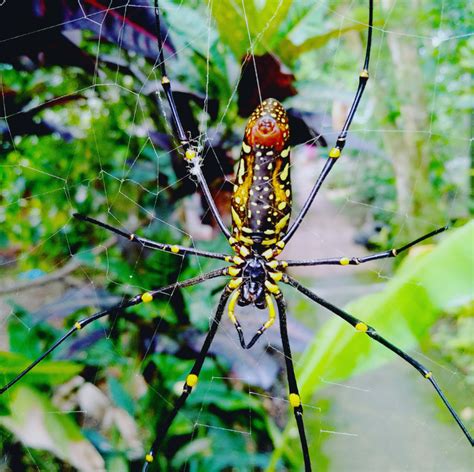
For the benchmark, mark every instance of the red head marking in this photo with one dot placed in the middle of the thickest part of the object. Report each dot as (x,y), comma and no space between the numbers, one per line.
(268,126)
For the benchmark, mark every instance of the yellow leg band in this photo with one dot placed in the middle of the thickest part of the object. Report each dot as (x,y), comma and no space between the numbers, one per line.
(191,380)
(428,375)
(232,303)
(174,249)
(362,327)
(149,458)
(344,261)
(77,325)
(272,288)
(147,297)
(276,276)
(244,251)
(233,271)
(271,311)
(235,283)
(334,153)
(295,400)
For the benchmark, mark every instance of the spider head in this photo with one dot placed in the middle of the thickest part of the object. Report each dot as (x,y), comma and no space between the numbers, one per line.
(253,286)
(268,126)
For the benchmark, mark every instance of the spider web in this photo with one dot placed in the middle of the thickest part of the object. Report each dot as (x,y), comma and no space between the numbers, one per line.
(384,417)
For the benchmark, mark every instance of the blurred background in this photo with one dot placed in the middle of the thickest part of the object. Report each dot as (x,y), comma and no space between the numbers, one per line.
(85,128)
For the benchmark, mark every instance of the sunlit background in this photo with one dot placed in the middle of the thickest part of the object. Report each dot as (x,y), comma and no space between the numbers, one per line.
(86,129)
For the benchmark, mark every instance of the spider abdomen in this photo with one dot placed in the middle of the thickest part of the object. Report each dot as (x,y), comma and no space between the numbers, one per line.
(261,202)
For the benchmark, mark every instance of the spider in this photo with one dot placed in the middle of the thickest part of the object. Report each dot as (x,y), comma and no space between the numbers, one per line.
(260,208)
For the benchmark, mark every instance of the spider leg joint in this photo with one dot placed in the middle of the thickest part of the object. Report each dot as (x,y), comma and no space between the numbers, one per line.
(147,297)
(244,251)
(238,260)
(233,271)
(295,400)
(362,327)
(276,276)
(191,380)
(272,288)
(234,283)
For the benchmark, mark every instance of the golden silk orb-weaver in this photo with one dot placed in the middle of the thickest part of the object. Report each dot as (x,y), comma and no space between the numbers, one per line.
(260,209)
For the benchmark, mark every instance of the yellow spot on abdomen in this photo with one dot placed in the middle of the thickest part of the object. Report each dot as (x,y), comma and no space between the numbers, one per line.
(284,172)
(246,148)
(236,218)
(240,175)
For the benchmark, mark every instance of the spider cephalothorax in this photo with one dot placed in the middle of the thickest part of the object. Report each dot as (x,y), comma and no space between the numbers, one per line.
(254,275)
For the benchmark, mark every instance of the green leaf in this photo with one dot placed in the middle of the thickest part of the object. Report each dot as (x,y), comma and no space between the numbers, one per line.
(227,12)
(47,372)
(120,397)
(289,52)
(39,424)
(425,285)
(260,25)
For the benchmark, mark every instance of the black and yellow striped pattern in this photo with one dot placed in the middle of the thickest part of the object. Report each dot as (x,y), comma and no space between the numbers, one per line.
(261,202)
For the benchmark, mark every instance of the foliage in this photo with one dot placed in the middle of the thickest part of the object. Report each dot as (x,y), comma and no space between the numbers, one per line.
(424,287)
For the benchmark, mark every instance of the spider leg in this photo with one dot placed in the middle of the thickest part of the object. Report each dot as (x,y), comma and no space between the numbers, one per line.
(136,300)
(360,260)
(238,327)
(190,154)
(364,328)
(336,151)
(173,248)
(191,380)
(294,397)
